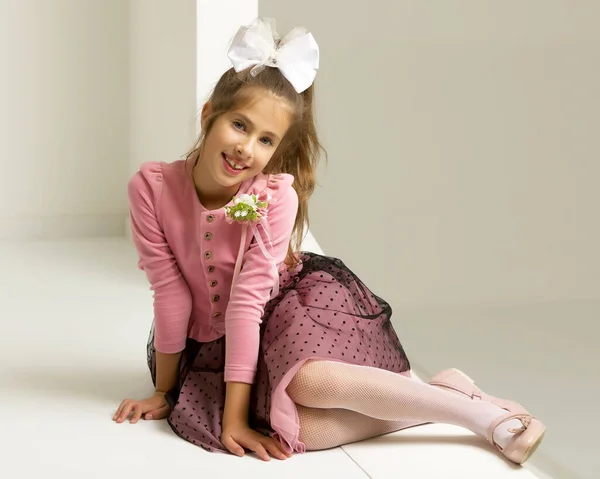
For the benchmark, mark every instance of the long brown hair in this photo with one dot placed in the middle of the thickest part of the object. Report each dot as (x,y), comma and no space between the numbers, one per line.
(298,152)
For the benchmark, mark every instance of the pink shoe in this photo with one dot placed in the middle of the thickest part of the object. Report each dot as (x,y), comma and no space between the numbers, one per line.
(525,440)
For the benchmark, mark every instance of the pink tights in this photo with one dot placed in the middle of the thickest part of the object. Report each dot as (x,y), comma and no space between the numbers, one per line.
(352,403)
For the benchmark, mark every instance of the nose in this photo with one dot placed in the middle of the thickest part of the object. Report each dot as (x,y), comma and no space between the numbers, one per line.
(244,149)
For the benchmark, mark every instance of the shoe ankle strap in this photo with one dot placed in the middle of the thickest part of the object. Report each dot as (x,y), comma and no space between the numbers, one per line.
(525,421)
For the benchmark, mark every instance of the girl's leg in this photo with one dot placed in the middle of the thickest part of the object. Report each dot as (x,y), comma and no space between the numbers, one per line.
(388,396)
(327,428)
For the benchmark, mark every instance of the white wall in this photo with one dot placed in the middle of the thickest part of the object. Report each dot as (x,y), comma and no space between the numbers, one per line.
(480,118)
(89,91)
(466,134)
(217,23)
(63,117)
(162,86)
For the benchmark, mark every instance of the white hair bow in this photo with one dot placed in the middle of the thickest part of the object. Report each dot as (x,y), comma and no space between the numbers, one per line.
(296,55)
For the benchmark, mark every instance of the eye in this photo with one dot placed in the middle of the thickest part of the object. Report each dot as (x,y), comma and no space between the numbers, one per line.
(267,141)
(238,125)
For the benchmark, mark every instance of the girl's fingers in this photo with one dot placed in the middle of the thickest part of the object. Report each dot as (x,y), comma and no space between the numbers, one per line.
(233,447)
(258,448)
(274,450)
(281,448)
(119,409)
(124,413)
(137,414)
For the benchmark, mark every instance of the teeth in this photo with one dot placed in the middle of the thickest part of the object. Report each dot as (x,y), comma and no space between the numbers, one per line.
(234,165)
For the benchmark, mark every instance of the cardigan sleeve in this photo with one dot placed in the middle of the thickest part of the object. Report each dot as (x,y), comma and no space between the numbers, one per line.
(172,297)
(254,284)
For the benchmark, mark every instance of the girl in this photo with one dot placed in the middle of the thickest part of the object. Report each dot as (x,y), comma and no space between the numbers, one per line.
(256,346)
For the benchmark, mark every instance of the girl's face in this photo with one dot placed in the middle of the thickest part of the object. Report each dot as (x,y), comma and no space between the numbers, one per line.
(241,142)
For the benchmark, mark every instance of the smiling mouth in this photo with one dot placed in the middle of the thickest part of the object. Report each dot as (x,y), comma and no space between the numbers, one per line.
(235,165)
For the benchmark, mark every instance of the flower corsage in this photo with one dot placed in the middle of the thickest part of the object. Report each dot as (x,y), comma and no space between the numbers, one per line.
(246,209)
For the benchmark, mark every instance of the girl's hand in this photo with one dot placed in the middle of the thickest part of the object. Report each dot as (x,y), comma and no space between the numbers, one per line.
(239,437)
(154,407)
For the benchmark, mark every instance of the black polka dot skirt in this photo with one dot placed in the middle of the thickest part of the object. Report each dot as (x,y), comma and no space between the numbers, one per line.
(323,311)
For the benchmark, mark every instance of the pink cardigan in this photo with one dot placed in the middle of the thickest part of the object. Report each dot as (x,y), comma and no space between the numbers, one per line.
(188,254)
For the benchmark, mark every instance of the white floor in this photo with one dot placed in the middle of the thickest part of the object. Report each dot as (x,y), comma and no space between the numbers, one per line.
(75,318)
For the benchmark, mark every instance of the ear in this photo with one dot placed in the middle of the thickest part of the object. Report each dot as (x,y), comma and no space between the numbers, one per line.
(206,112)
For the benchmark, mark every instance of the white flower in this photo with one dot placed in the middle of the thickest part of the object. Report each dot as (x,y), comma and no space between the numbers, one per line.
(247,208)
(245,199)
